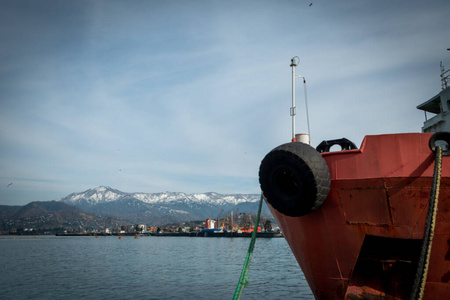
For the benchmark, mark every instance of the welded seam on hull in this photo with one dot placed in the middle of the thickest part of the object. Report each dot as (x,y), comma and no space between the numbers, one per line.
(391,218)
(334,248)
(418,220)
(369,224)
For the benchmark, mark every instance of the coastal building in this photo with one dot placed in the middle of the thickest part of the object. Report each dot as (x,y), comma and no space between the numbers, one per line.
(210,223)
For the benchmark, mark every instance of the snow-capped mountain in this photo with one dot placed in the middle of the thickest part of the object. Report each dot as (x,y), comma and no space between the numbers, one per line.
(105,194)
(158,208)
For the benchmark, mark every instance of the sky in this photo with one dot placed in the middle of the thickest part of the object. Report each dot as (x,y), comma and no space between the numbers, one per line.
(189,96)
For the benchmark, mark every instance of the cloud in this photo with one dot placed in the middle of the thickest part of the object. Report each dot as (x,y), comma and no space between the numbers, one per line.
(191,96)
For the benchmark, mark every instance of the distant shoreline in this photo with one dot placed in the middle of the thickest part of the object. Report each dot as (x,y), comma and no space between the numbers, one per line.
(188,234)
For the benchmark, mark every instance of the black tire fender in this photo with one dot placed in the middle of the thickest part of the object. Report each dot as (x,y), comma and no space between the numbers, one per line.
(295,179)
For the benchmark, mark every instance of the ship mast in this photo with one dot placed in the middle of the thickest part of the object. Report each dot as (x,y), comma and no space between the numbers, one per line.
(444,77)
(293,108)
(302,137)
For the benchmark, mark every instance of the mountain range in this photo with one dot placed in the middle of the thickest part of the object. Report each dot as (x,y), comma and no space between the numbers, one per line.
(55,216)
(97,206)
(160,208)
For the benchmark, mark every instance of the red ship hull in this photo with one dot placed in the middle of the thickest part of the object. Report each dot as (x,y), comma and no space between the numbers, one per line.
(364,240)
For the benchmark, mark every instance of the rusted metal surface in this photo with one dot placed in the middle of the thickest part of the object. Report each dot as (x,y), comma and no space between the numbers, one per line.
(381,190)
(365,292)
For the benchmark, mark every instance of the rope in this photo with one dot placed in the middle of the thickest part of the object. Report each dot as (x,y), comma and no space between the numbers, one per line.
(424,259)
(307,114)
(243,280)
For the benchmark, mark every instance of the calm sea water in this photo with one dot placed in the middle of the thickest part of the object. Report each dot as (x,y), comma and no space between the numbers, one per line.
(49,267)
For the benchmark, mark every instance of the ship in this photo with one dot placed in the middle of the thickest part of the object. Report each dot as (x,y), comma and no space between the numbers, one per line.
(371,222)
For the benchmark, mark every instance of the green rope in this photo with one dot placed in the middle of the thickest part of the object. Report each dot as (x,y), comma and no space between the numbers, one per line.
(243,281)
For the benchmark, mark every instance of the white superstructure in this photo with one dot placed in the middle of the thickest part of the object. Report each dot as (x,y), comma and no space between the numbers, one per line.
(439,105)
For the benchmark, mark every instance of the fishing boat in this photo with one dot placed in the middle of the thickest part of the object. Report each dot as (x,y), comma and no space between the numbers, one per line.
(371,222)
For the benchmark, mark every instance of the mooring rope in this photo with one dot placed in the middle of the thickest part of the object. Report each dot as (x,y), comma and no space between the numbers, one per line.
(424,260)
(243,280)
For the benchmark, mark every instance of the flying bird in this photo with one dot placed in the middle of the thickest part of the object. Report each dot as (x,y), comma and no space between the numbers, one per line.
(9,184)
(310,4)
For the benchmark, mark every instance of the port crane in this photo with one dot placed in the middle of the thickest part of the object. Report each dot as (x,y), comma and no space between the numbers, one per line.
(218,218)
(246,227)
(224,220)
(232,227)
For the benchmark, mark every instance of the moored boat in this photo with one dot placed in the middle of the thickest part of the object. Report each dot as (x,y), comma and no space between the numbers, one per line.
(368,223)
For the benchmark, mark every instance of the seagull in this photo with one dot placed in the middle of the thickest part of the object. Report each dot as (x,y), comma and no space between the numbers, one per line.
(9,184)
(310,4)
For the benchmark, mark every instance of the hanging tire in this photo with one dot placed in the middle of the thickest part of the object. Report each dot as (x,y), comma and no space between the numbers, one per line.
(295,179)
